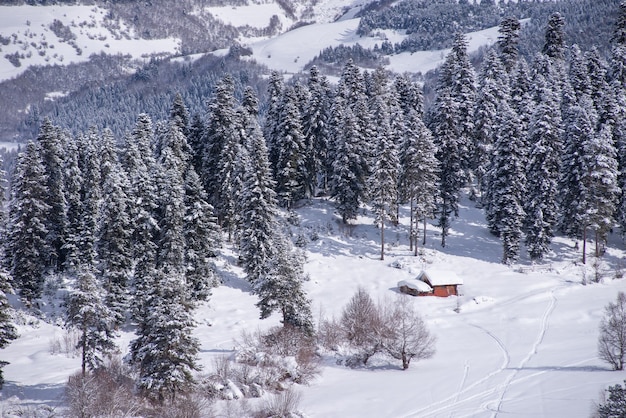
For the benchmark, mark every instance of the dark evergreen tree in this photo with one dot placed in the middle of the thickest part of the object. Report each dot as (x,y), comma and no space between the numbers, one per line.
(50,141)
(114,234)
(95,322)
(28,245)
(218,156)
(164,354)
(272,115)
(383,181)
(554,44)
(8,332)
(316,130)
(180,115)
(507,183)
(290,168)
(257,205)
(493,94)
(280,287)
(450,153)
(508,41)
(194,139)
(521,93)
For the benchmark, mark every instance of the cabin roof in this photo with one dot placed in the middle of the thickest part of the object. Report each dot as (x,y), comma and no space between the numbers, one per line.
(440,277)
(418,285)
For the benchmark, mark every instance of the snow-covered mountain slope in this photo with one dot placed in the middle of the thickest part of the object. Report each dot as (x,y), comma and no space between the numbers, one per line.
(520,342)
(60,35)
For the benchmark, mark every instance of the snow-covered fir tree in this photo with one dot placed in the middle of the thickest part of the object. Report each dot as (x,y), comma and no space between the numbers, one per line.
(51,144)
(383,181)
(219,142)
(94,321)
(114,233)
(507,185)
(272,115)
(164,354)
(28,245)
(540,205)
(450,153)
(280,286)
(258,206)
(290,166)
(554,42)
(493,93)
(508,41)
(316,130)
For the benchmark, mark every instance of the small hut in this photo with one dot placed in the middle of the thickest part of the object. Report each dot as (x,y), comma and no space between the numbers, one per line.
(415,288)
(443,282)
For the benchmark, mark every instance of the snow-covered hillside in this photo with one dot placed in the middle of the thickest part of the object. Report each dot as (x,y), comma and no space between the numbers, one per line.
(518,341)
(59,35)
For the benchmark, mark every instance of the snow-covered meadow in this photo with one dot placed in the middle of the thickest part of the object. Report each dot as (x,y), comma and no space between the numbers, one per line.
(519,341)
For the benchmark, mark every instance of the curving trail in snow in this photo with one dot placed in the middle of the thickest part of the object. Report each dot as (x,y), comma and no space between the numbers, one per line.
(542,332)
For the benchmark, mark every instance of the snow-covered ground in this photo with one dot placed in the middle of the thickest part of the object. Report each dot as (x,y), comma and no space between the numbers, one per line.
(27,36)
(523,342)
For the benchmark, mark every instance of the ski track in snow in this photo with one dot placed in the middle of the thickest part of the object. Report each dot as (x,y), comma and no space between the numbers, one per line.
(542,333)
(428,411)
(494,405)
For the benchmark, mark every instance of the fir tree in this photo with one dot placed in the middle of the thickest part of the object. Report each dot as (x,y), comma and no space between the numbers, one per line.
(257,205)
(316,130)
(493,93)
(164,354)
(272,116)
(180,115)
(28,246)
(95,322)
(290,166)
(554,44)
(50,141)
(507,182)
(450,155)
(542,180)
(280,287)
(508,42)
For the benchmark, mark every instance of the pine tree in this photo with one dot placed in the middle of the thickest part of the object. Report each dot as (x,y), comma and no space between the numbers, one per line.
(180,115)
(140,166)
(219,141)
(50,140)
(419,172)
(493,93)
(272,116)
(280,287)
(257,205)
(290,166)
(554,43)
(316,130)
(73,185)
(95,322)
(202,239)
(114,238)
(8,332)
(28,246)
(521,93)
(450,151)
(508,42)
(164,354)
(574,190)
(507,182)
(383,181)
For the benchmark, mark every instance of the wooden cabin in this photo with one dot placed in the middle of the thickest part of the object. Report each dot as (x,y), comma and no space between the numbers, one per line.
(432,283)
(444,282)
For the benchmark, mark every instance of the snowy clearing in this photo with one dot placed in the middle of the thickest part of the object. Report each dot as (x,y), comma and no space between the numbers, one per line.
(522,343)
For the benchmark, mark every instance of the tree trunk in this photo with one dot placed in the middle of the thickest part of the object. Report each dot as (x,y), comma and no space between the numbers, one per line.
(412,232)
(584,245)
(424,241)
(382,235)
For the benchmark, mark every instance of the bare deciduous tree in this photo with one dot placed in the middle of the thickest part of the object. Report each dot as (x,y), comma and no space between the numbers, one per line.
(406,336)
(612,339)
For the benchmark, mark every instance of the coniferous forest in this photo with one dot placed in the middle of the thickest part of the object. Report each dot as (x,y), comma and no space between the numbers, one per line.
(137,217)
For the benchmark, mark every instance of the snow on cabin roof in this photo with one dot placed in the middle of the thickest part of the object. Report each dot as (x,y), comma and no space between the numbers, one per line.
(418,285)
(440,277)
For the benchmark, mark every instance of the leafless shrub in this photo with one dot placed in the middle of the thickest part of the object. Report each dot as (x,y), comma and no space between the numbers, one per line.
(392,327)
(107,392)
(329,334)
(284,405)
(612,339)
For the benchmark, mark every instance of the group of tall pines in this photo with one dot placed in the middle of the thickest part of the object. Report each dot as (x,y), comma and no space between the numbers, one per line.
(135,223)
